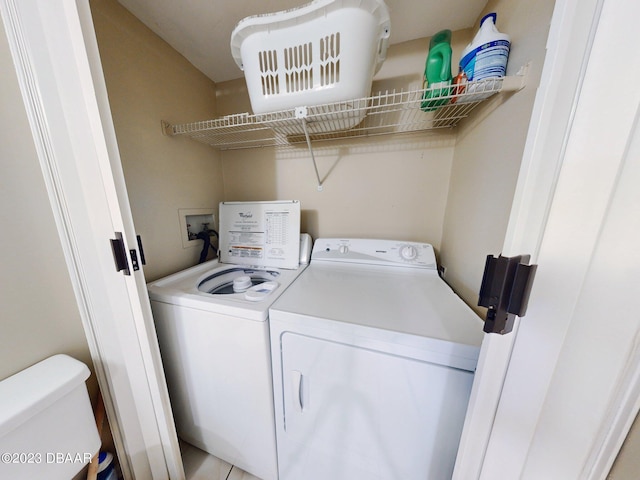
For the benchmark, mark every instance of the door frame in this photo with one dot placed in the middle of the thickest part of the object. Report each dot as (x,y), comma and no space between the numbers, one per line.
(582,379)
(76,145)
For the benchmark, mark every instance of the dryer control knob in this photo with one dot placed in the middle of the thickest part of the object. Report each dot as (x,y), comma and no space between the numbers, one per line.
(408,252)
(343,249)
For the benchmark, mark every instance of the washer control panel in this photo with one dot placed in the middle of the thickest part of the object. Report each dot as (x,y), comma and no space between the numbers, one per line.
(374,252)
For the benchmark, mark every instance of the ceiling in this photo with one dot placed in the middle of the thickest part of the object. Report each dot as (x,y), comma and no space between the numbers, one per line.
(201,29)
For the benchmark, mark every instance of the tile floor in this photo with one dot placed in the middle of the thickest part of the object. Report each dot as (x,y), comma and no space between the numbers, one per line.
(199,465)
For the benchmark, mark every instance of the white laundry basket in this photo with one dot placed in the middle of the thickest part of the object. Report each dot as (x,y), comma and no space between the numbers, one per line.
(323,52)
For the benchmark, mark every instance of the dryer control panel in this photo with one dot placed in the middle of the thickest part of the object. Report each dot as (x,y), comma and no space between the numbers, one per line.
(374,252)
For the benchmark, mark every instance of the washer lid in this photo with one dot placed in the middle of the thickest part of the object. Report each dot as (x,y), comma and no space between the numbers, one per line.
(265,234)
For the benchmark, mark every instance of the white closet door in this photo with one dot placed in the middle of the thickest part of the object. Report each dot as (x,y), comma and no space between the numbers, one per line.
(572,384)
(56,58)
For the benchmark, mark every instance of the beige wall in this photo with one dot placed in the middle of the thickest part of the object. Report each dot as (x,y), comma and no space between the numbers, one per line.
(389,191)
(390,187)
(148,81)
(488,154)
(432,188)
(39,315)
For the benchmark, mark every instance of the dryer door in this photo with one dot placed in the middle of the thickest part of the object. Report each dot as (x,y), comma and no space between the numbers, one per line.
(352,412)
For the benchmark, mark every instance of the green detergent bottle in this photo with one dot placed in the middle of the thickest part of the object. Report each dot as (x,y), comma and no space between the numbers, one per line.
(437,72)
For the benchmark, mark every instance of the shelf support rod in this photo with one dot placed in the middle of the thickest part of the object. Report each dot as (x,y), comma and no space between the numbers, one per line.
(301,113)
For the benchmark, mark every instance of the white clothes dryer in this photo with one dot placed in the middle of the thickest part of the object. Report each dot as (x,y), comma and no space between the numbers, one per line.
(213,330)
(373,360)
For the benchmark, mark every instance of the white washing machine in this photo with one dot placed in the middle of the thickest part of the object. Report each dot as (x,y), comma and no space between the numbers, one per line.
(212,326)
(373,360)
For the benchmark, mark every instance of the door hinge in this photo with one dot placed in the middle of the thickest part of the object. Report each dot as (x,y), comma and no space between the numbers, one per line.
(120,254)
(506,286)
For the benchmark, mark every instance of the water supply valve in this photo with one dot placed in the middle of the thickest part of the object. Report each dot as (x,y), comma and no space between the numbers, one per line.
(506,286)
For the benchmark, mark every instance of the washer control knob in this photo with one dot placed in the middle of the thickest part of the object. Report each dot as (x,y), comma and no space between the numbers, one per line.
(343,249)
(408,252)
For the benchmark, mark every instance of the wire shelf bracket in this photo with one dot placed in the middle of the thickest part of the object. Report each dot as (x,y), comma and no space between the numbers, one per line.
(301,113)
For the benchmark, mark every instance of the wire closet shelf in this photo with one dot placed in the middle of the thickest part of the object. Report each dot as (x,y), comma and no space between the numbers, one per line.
(381,114)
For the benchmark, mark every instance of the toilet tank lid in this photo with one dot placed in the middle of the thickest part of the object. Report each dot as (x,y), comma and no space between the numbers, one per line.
(32,390)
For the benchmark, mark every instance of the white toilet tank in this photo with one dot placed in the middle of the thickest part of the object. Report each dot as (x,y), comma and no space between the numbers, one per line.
(47,427)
